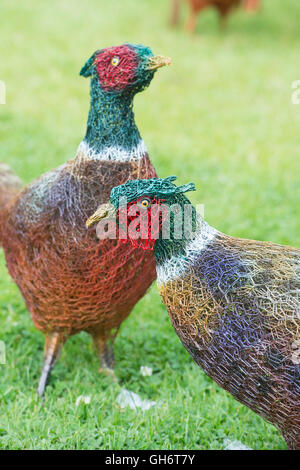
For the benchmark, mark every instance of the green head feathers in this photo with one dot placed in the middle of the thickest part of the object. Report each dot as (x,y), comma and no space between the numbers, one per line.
(155,187)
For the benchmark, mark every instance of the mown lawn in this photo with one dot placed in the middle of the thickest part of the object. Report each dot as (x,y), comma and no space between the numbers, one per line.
(222,117)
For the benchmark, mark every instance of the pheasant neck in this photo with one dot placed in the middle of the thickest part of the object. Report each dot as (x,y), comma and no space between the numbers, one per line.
(183,222)
(111,130)
(174,257)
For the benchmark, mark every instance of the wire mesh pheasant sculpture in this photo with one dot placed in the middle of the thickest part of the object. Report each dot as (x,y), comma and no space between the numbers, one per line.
(224,8)
(234,303)
(70,280)
(252,5)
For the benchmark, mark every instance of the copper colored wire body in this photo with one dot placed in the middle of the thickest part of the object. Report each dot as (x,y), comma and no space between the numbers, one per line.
(70,280)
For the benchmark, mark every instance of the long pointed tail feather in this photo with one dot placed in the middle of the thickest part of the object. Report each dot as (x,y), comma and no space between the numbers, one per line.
(10,185)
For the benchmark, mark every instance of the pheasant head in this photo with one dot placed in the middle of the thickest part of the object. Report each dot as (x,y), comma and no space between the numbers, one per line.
(151,213)
(117,74)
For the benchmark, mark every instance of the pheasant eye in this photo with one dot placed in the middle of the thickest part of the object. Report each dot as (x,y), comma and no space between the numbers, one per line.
(115,61)
(145,203)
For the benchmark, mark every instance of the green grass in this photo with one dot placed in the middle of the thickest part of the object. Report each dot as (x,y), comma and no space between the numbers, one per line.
(222,117)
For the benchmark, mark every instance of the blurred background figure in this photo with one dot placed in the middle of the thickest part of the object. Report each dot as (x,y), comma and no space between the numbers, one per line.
(252,5)
(175,12)
(224,7)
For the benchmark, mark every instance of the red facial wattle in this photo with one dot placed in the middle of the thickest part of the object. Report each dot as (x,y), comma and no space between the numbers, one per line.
(115,75)
(143,227)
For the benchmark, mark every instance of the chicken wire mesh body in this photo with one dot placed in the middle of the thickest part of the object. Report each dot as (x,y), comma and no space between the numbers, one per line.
(234,303)
(223,6)
(70,280)
(236,308)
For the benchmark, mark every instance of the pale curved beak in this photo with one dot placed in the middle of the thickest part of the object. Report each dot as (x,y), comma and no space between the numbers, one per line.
(105,211)
(158,61)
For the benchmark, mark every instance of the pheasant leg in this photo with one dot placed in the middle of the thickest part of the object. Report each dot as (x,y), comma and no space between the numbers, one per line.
(104,348)
(53,346)
(191,22)
(223,21)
